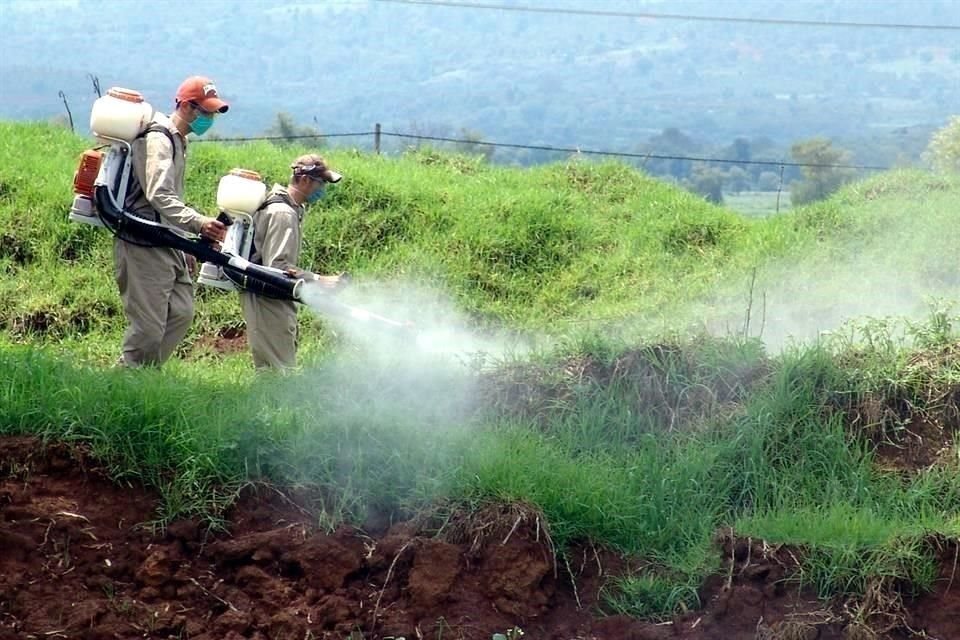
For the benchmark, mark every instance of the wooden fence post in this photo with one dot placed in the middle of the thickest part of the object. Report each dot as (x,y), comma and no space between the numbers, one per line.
(67,105)
(779,188)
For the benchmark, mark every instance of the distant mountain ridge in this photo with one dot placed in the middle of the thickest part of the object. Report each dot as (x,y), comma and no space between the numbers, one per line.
(542,78)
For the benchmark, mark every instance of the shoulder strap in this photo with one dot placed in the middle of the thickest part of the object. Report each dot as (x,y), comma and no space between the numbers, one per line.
(155,127)
(274,198)
(134,189)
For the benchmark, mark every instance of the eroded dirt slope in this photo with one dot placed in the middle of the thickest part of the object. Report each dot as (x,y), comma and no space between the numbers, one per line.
(78,561)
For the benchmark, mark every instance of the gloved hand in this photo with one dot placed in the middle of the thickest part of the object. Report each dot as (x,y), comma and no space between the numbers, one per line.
(333,283)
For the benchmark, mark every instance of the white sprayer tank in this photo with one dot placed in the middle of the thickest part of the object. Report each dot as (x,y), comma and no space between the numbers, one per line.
(241,191)
(239,194)
(121,113)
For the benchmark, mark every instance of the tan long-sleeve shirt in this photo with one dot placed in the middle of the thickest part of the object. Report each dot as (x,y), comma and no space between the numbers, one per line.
(272,324)
(159,169)
(277,235)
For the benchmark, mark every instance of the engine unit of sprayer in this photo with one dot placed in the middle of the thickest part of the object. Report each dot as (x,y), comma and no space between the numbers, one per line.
(116,119)
(102,183)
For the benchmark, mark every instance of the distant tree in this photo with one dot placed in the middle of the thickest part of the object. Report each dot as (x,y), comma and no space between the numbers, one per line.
(289,132)
(768,181)
(470,146)
(708,182)
(943,151)
(671,142)
(821,179)
(738,150)
(737,180)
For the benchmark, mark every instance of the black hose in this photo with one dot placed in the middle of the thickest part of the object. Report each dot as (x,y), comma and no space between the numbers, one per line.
(248,276)
(263,282)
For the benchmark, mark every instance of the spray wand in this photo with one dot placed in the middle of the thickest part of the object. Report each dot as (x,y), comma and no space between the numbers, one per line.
(306,288)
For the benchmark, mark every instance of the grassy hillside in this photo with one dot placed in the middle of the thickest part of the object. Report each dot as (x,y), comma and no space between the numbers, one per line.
(553,249)
(570,241)
(647,448)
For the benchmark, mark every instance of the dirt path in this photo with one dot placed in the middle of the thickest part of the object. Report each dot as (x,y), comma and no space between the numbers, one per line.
(76,561)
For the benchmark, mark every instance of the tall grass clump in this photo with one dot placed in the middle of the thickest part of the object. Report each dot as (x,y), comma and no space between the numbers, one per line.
(787,464)
(821,490)
(367,441)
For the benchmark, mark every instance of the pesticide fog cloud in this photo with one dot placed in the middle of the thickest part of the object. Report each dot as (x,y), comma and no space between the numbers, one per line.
(388,416)
(902,264)
(398,401)
(408,322)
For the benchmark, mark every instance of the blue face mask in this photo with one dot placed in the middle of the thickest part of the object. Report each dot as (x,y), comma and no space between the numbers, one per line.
(201,123)
(316,195)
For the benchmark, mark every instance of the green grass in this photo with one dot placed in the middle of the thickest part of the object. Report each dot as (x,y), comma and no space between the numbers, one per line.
(536,248)
(757,204)
(637,435)
(782,467)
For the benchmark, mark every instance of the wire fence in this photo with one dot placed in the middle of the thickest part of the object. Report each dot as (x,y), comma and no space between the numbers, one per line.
(378,134)
(898,26)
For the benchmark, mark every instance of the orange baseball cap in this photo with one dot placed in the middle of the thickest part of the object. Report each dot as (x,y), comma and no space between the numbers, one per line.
(203,91)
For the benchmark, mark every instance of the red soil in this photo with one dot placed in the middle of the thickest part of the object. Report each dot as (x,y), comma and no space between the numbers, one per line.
(78,561)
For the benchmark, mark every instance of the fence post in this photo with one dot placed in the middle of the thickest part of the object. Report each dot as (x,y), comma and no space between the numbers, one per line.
(67,105)
(96,84)
(376,138)
(779,188)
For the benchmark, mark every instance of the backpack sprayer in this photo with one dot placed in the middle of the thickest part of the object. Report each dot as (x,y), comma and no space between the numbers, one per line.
(102,183)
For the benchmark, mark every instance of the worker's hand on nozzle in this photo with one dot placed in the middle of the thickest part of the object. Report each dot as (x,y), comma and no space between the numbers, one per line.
(333,283)
(213,230)
(294,272)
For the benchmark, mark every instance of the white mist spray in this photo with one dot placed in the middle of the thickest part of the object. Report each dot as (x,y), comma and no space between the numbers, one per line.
(901,261)
(385,420)
(407,320)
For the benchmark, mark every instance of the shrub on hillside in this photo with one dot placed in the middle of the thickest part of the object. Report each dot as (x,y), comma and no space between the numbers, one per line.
(943,152)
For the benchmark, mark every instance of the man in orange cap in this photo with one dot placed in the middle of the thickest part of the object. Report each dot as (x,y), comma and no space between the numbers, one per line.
(155,284)
(277,240)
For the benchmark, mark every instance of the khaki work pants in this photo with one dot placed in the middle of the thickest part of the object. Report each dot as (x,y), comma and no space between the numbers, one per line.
(157,296)
(271,331)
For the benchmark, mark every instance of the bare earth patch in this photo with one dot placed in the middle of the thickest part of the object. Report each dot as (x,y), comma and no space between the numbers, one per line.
(77,561)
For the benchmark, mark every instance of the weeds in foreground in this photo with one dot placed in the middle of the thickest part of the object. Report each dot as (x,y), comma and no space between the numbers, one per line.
(784,466)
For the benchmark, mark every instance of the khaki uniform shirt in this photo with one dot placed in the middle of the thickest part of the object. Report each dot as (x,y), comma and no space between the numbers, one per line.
(160,186)
(277,238)
(272,324)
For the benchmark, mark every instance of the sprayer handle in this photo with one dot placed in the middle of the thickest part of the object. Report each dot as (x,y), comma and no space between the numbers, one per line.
(224,219)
